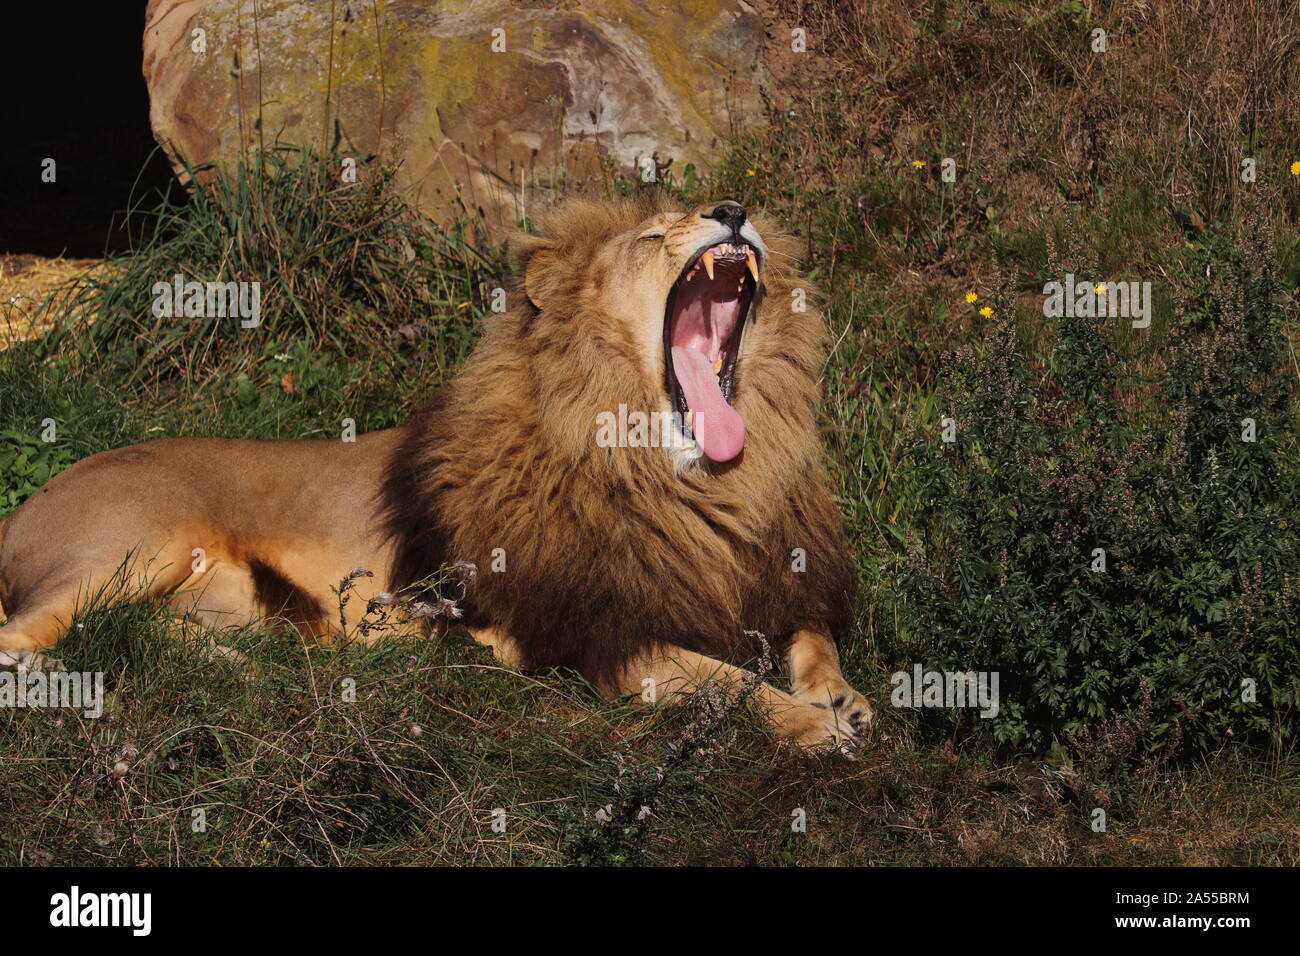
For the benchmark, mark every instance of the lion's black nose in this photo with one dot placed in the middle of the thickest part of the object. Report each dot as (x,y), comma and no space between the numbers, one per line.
(730,214)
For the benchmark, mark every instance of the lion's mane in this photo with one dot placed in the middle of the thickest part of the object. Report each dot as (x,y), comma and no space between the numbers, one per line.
(610,551)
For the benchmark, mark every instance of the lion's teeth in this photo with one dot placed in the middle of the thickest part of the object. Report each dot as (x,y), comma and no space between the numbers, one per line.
(717,367)
(752,262)
(708,263)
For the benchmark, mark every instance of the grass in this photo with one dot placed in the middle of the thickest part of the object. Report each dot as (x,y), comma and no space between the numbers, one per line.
(285,770)
(375,309)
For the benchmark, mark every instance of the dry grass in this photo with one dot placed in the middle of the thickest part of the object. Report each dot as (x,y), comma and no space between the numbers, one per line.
(26,284)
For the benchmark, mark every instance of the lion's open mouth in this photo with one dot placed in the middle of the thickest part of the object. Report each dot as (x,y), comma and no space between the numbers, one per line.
(703,322)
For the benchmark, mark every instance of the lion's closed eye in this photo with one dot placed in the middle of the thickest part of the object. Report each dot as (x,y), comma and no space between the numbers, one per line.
(658,227)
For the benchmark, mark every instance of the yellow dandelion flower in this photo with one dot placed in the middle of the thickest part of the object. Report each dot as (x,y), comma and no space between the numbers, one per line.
(971,297)
(751,172)
(1099,288)
(918,163)
(986,312)
(1295,169)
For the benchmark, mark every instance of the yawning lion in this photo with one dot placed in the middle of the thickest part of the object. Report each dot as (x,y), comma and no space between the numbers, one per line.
(629,458)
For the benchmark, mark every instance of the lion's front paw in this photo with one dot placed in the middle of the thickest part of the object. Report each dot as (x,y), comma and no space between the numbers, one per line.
(820,727)
(847,707)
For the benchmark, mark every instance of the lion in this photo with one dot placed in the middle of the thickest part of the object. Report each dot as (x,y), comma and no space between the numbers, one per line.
(651,560)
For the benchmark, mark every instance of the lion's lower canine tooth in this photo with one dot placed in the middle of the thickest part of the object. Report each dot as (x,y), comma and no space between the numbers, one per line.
(708,263)
(717,367)
(752,262)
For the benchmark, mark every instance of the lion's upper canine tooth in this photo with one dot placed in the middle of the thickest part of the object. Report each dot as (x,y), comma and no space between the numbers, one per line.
(708,263)
(752,262)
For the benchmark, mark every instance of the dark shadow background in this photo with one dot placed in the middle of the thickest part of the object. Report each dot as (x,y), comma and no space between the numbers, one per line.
(71,89)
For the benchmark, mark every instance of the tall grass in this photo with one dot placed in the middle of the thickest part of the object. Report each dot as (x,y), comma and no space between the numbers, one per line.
(343,266)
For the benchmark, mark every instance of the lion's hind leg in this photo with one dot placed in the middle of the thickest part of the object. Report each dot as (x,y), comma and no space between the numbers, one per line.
(45,602)
(33,630)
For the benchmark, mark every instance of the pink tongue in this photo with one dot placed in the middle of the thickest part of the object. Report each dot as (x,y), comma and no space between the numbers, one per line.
(717,426)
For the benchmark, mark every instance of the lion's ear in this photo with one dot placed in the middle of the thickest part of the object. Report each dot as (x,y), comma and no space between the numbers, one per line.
(538,259)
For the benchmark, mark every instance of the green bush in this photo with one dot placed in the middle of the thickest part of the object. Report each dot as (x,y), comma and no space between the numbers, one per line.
(26,463)
(1140,452)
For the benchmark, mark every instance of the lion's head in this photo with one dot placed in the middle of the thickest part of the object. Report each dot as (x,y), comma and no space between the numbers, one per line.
(677,313)
(609,550)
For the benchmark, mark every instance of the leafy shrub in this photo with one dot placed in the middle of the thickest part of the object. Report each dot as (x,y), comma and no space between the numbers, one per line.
(1144,455)
(26,463)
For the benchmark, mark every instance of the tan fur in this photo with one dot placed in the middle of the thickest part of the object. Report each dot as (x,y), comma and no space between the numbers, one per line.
(303,508)
(624,563)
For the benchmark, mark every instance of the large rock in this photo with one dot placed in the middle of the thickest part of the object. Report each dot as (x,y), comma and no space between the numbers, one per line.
(579,84)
